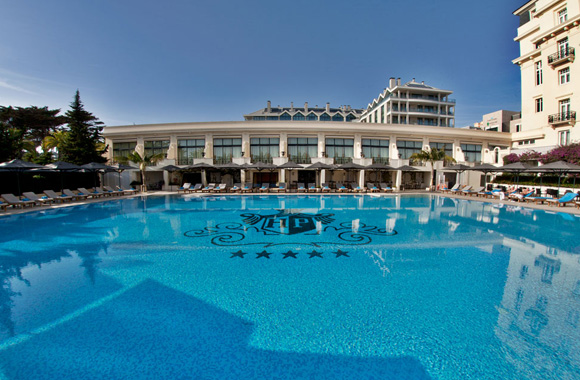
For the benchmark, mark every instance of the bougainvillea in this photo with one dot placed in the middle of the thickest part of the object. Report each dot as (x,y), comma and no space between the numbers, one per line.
(569,153)
(511,158)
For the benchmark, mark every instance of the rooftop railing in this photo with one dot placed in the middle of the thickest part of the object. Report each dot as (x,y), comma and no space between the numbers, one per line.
(562,55)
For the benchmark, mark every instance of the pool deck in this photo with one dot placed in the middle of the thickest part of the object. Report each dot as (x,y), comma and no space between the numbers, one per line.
(569,208)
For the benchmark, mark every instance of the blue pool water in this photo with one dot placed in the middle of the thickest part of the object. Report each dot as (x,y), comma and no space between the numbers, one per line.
(342,287)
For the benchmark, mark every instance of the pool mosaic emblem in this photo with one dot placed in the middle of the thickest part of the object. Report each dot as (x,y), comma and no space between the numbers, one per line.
(290,228)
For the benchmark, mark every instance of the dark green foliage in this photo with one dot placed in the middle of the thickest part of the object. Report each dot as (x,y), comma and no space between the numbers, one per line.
(11,142)
(83,141)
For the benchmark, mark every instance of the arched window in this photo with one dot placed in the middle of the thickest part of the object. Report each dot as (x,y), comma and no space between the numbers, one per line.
(325,117)
(298,116)
(285,116)
(337,117)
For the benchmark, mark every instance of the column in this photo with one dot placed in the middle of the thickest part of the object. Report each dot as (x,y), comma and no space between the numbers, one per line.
(172,150)
(208,146)
(321,144)
(357,146)
(246,145)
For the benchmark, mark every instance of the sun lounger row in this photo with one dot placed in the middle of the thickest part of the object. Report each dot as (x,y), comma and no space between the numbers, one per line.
(283,188)
(50,197)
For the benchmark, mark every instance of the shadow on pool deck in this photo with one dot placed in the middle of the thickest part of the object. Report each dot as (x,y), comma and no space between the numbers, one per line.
(155,332)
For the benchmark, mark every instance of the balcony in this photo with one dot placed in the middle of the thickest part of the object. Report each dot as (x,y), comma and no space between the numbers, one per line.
(561,57)
(562,119)
(342,160)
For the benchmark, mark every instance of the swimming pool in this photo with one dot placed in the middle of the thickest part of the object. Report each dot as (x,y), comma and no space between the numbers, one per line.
(353,287)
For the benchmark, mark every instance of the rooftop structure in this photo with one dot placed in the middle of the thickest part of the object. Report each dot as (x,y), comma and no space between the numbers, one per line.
(306,113)
(412,103)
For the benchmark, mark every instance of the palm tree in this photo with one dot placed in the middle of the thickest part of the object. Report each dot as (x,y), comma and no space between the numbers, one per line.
(55,140)
(143,161)
(431,156)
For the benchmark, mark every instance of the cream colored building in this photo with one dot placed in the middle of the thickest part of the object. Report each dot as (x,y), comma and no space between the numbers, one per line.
(306,142)
(549,36)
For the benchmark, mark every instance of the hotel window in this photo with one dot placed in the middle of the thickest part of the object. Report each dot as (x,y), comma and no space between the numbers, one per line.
(564,75)
(563,16)
(565,107)
(342,150)
(298,116)
(407,148)
(563,47)
(259,118)
(539,105)
(226,149)
(156,147)
(311,117)
(263,149)
(539,76)
(188,150)
(564,137)
(285,116)
(337,117)
(123,149)
(272,118)
(325,117)
(350,117)
(446,147)
(518,127)
(300,150)
(376,149)
(472,152)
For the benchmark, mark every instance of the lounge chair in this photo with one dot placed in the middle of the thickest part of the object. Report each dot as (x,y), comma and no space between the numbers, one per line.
(247,188)
(222,188)
(519,197)
(126,190)
(78,197)
(301,188)
(386,188)
(356,188)
(185,188)
(92,194)
(3,206)
(312,188)
(198,188)
(57,198)
(113,191)
(489,194)
(30,196)
(265,188)
(454,188)
(236,188)
(470,190)
(208,188)
(105,192)
(281,187)
(460,189)
(341,188)
(325,188)
(563,200)
(372,188)
(13,201)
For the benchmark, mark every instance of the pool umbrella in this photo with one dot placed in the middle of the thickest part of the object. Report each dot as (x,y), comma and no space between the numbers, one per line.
(96,167)
(350,166)
(290,165)
(319,166)
(378,167)
(170,169)
(200,165)
(19,166)
(559,167)
(62,166)
(120,168)
(459,168)
(486,169)
(228,166)
(517,168)
(405,168)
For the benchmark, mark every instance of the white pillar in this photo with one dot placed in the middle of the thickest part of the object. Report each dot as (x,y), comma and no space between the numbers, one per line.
(399,179)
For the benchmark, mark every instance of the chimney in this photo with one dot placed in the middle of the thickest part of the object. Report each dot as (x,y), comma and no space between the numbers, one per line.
(292,106)
(392,82)
(327,107)
(306,107)
(398,81)
(422,82)
(269,108)
(413,80)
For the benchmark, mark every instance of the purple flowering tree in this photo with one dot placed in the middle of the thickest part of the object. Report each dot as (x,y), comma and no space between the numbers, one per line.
(569,153)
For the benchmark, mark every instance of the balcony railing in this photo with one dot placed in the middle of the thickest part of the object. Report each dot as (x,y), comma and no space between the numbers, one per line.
(381,160)
(562,118)
(300,159)
(342,160)
(267,159)
(562,56)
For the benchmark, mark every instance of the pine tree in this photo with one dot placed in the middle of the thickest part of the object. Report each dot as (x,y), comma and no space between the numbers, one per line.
(84,135)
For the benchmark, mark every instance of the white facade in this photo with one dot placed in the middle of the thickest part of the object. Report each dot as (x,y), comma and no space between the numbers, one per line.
(411,104)
(549,36)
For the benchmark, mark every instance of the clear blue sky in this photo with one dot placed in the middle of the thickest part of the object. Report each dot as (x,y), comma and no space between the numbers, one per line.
(191,60)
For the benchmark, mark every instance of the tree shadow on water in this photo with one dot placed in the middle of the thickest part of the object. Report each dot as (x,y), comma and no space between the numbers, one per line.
(155,332)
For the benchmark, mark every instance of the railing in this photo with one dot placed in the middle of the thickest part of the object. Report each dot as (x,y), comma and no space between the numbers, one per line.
(267,159)
(562,117)
(567,53)
(300,159)
(342,160)
(432,98)
(381,160)
(222,160)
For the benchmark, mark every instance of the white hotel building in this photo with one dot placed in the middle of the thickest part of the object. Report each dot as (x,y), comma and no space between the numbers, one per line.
(403,120)
(549,36)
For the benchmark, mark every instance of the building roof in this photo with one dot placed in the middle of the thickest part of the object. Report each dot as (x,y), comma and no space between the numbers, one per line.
(277,111)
